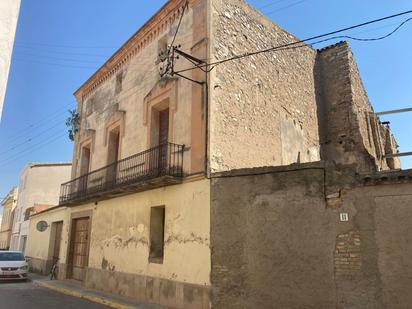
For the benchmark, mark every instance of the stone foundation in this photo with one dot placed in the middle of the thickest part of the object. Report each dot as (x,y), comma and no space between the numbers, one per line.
(43,267)
(148,289)
(40,266)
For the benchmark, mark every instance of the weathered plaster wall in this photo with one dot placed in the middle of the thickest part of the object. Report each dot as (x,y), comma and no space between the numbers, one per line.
(269,242)
(279,242)
(120,230)
(40,245)
(9,13)
(350,132)
(263,108)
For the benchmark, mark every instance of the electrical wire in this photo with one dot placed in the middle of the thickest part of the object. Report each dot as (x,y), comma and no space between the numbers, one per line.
(31,129)
(44,120)
(57,58)
(69,66)
(35,137)
(20,43)
(30,150)
(53,64)
(286,7)
(31,139)
(180,22)
(373,39)
(271,4)
(310,39)
(49,51)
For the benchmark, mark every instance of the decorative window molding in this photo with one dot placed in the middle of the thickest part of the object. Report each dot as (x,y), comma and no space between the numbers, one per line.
(163,95)
(166,88)
(117,120)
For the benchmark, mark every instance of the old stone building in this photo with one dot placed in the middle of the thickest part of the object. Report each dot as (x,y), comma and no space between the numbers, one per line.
(143,204)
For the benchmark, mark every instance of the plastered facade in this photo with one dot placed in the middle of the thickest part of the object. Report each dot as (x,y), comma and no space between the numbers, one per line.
(131,108)
(120,230)
(39,184)
(40,244)
(8,206)
(9,13)
(123,95)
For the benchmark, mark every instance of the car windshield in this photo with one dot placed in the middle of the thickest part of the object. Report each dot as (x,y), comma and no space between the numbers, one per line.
(11,256)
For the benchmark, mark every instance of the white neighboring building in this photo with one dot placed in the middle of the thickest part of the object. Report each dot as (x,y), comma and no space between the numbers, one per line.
(39,187)
(9,13)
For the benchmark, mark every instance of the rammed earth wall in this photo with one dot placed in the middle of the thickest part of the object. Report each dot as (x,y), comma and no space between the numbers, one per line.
(278,240)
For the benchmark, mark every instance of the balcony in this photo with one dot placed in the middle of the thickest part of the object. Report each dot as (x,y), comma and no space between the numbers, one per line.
(153,168)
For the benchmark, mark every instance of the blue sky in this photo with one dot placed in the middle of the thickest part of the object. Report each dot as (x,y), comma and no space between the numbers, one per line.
(59,44)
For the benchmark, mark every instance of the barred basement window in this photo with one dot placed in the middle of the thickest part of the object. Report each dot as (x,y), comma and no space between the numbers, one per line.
(157,232)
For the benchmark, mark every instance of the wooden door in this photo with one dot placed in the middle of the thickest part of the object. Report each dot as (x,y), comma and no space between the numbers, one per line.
(163,139)
(57,241)
(84,170)
(79,245)
(113,157)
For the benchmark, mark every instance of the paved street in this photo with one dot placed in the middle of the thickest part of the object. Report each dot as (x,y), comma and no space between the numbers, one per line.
(27,295)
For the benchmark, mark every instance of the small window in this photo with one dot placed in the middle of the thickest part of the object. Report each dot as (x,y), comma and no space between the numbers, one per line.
(119,82)
(89,107)
(157,232)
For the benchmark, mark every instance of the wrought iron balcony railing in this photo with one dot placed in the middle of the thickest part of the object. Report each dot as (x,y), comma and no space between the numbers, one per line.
(157,162)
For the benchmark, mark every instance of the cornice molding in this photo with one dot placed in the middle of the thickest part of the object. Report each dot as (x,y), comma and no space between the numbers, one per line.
(152,29)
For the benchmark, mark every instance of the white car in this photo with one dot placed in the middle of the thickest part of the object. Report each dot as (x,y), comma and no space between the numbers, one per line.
(13,266)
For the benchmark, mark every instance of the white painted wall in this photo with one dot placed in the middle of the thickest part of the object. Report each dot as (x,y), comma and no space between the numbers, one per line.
(9,12)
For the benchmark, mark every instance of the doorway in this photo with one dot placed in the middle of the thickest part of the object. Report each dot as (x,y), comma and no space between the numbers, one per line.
(113,156)
(57,228)
(84,168)
(79,249)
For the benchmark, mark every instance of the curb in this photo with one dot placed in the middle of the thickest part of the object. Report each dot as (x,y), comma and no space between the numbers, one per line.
(95,299)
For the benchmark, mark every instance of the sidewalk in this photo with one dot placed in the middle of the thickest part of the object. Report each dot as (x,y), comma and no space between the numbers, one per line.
(75,289)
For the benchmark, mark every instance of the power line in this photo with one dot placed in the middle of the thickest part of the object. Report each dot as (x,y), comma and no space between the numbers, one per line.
(57,58)
(306,40)
(49,51)
(39,123)
(286,7)
(29,140)
(53,64)
(271,4)
(373,39)
(19,43)
(30,150)
(28,131)
(180,22)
